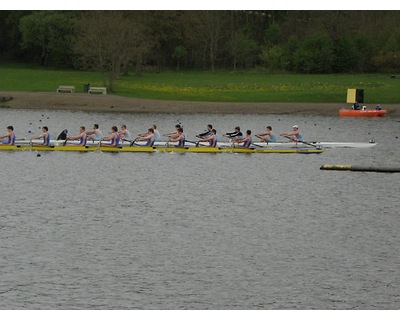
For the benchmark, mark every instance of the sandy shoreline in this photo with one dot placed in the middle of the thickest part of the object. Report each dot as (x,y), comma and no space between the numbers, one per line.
(111,103)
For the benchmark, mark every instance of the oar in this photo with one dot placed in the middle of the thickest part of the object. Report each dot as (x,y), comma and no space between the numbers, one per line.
(196,143)
(132,142)
(257,145)
(309,144)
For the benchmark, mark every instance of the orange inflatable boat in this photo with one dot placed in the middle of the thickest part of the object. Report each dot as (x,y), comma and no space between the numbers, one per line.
(361,113)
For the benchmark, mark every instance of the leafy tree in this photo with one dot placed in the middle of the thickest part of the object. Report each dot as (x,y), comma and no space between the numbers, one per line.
(291,48)
(166,29)
(243,50)
(51,32)
(365,53)
(388,58)
(346,55)
(180,53)
(275,58)
(349,41)
(273,35)
(315,55)
(10,36)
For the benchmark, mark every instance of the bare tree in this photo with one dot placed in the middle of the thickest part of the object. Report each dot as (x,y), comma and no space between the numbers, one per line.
(206,30)
(109,41)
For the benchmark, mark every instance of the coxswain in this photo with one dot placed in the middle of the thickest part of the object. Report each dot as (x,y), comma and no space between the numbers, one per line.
(81,137)
(63,135)
(9,137)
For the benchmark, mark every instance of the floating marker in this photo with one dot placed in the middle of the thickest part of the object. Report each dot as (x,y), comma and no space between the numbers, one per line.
(345,167)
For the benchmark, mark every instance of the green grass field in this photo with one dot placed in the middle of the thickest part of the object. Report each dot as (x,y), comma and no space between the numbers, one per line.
(206,86)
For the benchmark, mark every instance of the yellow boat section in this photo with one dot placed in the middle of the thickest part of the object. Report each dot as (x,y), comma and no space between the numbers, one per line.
(158,149)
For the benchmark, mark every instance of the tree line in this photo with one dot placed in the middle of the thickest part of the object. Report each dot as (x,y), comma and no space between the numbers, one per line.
(119,42)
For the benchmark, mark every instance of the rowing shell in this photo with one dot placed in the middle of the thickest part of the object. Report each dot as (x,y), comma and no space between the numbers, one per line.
(271,145)
(160,149)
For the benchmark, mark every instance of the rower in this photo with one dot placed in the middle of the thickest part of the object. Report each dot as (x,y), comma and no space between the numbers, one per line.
(95,134)
(246,140)
(293,135)
(211,138)
(235,135)
(9,137)
(157,135)
(180,138)
(81,137)
(124,133)
(174,134)
(267,136)
(113,137)
(45,135)
(205,133)
(149,137)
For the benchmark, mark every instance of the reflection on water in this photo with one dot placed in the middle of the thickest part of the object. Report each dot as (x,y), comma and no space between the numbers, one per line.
(199,231)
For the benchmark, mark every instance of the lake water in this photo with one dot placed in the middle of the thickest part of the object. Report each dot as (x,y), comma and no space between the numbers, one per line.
(199,231)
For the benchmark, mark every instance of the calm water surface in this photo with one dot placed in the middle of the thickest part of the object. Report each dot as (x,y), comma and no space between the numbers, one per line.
(199,231)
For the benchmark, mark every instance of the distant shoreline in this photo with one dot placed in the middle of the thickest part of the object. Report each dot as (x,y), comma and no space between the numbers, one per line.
(111,103)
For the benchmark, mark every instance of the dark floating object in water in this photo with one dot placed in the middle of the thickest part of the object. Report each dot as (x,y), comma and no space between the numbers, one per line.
(345,167)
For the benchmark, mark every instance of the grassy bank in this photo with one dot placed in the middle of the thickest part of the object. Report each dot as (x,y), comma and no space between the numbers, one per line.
(206,86)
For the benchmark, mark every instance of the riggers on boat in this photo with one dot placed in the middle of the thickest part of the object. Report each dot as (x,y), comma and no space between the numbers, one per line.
(362,113)
(159,149)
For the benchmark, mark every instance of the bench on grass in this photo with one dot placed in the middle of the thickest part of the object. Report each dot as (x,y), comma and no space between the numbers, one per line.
(102,90)
(69,89)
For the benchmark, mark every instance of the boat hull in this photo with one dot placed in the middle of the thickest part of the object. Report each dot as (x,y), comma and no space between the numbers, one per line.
(362,113)
(272,145)
(159,149)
